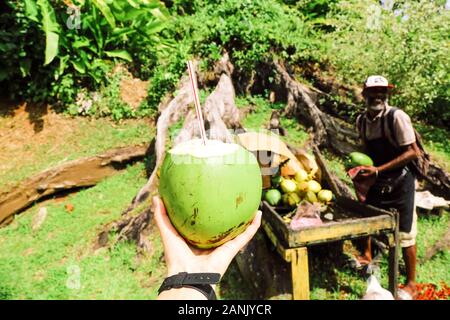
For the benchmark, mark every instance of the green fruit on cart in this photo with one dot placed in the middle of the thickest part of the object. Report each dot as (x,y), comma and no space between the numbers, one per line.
(273,197)
(275,181)
(325,195)
(288,185)
(311,197)
(314,186)
(301,175)
(293,199)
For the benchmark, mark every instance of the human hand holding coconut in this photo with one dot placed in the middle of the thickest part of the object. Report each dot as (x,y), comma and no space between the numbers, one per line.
(211,191)
(182,257)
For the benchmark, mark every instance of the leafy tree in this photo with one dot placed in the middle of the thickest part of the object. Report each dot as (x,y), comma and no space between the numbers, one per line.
(408,44)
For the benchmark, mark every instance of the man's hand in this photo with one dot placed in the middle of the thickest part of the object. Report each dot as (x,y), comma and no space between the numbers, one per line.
(368,171)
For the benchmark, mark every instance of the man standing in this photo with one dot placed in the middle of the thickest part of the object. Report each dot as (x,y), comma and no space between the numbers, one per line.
(390,140)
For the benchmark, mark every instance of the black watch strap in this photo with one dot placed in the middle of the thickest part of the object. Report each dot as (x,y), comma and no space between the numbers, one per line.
(199,281)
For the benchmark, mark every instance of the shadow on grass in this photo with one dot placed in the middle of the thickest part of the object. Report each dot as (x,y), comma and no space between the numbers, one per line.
(233,286)
(327,264)
(6,293)
(35,111)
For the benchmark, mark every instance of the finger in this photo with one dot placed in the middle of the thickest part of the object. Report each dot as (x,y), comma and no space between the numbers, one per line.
(232,247)
(168,232)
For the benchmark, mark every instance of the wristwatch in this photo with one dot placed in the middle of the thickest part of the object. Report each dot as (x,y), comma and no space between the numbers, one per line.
(200,281)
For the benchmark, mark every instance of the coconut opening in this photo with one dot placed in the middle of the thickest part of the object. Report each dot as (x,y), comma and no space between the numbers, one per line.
(196,148)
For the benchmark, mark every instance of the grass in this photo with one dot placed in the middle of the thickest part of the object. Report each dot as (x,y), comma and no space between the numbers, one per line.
(233,287)
(341,282)
(88,138)
(351,285)
(260,117)
(58,261)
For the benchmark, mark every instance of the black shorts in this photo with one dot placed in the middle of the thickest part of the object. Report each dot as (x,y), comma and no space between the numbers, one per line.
(400,198)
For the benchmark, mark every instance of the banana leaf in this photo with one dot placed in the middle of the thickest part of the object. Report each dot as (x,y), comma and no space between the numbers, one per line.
(51,29)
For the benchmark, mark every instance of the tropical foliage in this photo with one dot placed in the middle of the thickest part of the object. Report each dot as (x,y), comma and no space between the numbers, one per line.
(50,49)
(62,44)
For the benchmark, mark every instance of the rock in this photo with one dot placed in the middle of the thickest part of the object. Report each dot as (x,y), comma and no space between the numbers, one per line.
(39,218)
(426,200)
(328,216)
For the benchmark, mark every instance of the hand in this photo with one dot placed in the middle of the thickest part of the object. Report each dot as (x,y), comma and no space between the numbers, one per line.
(181,257)
(368,171)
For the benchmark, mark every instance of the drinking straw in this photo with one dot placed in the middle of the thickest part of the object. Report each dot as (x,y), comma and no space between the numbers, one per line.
(198,108)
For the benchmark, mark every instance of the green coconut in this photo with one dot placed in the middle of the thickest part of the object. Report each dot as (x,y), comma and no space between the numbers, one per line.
(273,197)
(211,192)
(355,159)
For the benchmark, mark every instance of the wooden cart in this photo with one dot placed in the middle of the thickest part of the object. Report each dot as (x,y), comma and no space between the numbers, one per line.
(352,220)
(293,245)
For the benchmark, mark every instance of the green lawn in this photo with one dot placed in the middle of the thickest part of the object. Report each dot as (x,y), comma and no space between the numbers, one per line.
(85,138)
(58,260)
(259,118)
(436,142)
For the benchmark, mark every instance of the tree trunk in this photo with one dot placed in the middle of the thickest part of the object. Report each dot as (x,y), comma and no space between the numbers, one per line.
(220,112)
(328,131)
(438,181)
(79,173)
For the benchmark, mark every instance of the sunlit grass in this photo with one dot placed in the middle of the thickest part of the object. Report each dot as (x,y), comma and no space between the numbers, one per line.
(88,138)
(43,264)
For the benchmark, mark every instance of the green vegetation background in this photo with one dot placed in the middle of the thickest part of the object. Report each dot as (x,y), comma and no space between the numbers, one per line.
(55,52)
(60,54)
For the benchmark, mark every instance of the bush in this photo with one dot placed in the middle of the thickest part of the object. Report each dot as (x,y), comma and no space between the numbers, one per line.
(251,31)
(64,47)
(407,43)
(20,48)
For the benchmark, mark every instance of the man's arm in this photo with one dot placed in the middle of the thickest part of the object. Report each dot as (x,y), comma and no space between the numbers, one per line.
(363,146)
(410,153)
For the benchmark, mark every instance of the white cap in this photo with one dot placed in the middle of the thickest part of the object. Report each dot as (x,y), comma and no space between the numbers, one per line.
(377,81)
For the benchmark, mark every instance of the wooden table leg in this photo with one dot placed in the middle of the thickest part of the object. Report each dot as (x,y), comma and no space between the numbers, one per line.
(300,274)
(393,259)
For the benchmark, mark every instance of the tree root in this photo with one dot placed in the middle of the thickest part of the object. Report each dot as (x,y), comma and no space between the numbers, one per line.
(79,173)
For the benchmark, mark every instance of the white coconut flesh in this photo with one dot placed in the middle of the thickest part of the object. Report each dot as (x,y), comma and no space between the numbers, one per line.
(212,148)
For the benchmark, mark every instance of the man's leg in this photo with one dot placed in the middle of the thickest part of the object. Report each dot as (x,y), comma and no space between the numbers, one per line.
(408,244)
(409,256)
(365,248)
(368,249)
